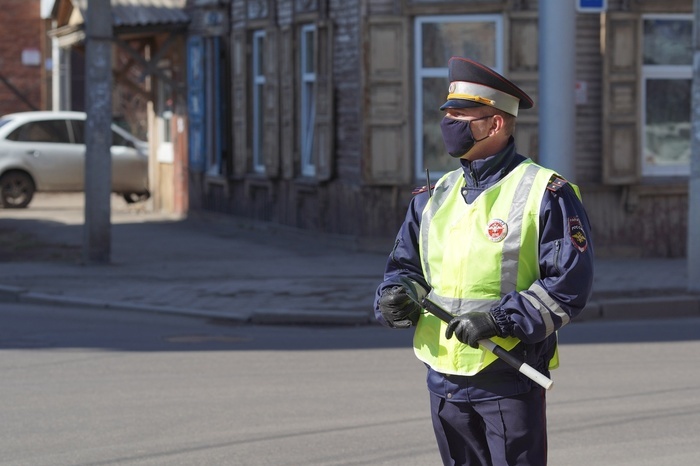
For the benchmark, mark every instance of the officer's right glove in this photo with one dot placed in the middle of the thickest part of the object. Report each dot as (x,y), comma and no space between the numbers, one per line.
(471,327)
(397,307)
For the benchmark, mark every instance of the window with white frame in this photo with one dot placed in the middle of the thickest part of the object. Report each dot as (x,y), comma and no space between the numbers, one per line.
(307,78)
(667,77)
(257,104)
(437,38)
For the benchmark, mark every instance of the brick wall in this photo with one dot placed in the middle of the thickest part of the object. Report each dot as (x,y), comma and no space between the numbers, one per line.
(22,31)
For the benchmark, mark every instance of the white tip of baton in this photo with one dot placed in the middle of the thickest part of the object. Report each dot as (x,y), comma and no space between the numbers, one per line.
(536,376)
(525,369)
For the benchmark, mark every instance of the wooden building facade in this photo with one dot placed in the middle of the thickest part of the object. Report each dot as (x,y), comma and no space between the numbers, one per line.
(323,114)
(328,112)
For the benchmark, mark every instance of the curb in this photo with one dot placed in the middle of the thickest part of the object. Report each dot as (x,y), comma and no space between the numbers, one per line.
(650,307)
(21,295)
(10,294)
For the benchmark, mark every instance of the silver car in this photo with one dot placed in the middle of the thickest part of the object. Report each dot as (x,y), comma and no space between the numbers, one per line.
(45,151)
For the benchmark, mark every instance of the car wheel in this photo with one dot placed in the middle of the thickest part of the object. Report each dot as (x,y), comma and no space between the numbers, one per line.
(131,198)
(16,190)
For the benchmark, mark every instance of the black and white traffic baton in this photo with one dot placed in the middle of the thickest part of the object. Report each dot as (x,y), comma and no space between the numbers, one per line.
(521,366)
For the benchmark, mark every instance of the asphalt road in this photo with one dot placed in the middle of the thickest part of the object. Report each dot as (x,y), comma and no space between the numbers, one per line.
(98,387)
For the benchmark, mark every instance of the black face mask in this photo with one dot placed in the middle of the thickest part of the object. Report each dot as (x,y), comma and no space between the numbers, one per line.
(457,135)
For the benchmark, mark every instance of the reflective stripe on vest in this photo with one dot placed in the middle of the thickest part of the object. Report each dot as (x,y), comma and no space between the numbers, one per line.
(474,254)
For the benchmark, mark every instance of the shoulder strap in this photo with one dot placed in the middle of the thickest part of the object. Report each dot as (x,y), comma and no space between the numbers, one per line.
(556,182)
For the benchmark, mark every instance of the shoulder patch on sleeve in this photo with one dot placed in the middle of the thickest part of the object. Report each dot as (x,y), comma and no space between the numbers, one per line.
(422,189)
(555,183)
(577,235)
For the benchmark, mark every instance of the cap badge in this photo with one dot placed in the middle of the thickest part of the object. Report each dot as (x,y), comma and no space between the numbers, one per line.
(497,230)
(453,86)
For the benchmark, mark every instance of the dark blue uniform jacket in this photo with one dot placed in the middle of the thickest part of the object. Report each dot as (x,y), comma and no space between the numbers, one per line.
(566,271)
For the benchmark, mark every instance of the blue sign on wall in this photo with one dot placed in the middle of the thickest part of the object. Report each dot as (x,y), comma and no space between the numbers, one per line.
(591,6)
(195,101)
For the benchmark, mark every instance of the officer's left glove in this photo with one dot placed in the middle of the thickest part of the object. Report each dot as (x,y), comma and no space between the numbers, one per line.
(471,327)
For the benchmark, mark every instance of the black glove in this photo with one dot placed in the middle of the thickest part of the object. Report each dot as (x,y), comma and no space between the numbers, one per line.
(397,308)
(471,327)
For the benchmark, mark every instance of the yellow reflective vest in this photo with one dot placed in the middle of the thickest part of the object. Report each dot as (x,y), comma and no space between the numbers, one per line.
(474,254)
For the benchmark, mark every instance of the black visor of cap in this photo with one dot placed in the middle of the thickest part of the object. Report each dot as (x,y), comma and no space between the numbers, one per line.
(460,103)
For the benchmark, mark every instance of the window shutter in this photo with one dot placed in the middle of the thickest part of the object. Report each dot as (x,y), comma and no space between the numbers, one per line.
(323,144)
(621,100)
(240,109)
(286,110)
(271,125)
(387,158)
(522,66)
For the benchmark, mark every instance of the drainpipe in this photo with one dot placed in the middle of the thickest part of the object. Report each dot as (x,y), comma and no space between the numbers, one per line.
(557,110)
(694,180)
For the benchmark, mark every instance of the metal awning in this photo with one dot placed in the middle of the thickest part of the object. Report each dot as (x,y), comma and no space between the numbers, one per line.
(139,14)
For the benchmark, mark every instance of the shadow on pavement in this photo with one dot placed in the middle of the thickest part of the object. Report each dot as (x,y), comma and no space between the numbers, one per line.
(34,327)
(631,331)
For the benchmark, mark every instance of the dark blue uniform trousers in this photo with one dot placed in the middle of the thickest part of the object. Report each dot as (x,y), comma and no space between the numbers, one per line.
(507,432)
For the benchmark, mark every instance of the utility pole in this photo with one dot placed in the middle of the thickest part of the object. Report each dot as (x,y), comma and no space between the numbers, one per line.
(557,109)
(694,180)
(98,133)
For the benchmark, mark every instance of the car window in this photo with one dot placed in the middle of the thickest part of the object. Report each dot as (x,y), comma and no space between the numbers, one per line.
(41,131)
(78,127)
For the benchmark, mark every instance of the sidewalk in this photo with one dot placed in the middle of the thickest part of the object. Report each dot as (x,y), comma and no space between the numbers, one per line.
(216,266)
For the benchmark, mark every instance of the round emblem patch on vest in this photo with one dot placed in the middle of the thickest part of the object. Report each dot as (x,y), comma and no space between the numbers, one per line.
(497,230)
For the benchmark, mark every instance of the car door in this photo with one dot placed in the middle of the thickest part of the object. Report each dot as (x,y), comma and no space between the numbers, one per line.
(55,163)
(129,166)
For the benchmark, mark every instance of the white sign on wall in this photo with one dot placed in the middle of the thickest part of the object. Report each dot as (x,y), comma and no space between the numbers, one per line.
(31,57)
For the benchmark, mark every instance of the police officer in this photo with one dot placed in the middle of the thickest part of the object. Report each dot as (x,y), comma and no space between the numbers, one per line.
(504,245)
